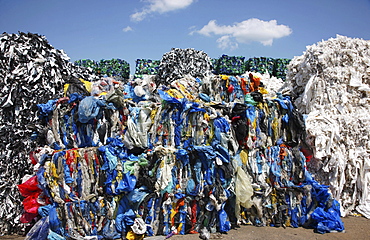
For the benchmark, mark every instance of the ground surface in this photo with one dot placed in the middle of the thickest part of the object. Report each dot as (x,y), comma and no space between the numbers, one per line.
(355,228)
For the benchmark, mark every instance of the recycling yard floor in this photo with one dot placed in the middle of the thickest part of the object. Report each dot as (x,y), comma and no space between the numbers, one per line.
(355,228)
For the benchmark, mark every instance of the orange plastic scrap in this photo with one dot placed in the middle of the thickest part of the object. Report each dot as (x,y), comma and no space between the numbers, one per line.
(243,85)
(255,82)
(283,153)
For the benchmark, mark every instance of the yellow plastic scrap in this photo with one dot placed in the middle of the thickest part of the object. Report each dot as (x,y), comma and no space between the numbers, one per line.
(183,90)
(119,176)
(174,93)
(260,105)
(263,90)
(173,211)
(274,126)
(244,156)
(133,236)
(287,222)
(179,227)
(273,197)
(53,169)
(254,123)
(266,108)
(88,85)
(65,88)
(153,113)
(206,117)
(211,132)
(102,203)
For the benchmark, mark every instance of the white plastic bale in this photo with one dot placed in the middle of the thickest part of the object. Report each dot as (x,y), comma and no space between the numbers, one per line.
(331,84)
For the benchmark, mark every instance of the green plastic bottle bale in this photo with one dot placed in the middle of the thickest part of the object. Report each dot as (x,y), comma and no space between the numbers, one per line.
(215,67)
(114,67)
(281,67)
(86,63)
(231,65)
(261,65)
(253,64)
(146,67)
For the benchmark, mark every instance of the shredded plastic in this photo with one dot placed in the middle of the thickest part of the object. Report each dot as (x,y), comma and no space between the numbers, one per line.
(331,85)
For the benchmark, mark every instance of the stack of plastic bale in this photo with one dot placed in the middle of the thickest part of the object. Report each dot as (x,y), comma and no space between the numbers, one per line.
(331,85)
(277,190)
(314,206)
(69,170)
(114,67)
(214,64)
(261,65)
(31,71)
(230,65)
(268,63)
(117,68)
(181,62)
(146,67)
(88,63)
(191,150)
(150,168)
(120,165)
(281,68)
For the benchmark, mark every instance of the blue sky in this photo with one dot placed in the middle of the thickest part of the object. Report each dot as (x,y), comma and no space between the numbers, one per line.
(129,29)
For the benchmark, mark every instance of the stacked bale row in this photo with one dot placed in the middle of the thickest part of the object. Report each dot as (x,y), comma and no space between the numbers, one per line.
(237,65)
(112,68)
(192,155)
(146,67)
(183,151)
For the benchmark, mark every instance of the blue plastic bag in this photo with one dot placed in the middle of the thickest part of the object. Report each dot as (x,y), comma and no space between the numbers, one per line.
(89,109)
(329,220)
(224,224)
(40,230)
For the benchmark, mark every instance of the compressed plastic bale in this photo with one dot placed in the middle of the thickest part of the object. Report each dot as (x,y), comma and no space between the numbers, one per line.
(88,63)
(230,65)
(113,67)
(330,84)
(146,67)
(190,152)
(281,68)
(261,65)
(31,72)
(181,62)
(214,63)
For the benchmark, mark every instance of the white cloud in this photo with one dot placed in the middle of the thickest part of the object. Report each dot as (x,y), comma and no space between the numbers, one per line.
(160,6)
(127,29)
(225,42)
(251,30)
